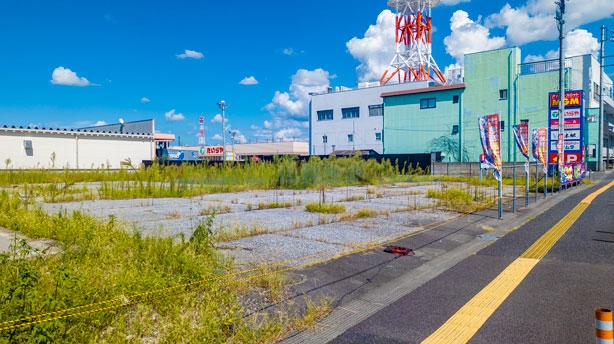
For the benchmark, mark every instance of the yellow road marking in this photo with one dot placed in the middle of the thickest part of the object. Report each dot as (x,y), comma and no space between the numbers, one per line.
(466,322)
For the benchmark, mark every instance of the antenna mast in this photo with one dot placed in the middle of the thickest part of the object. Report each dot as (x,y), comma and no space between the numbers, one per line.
(413,60)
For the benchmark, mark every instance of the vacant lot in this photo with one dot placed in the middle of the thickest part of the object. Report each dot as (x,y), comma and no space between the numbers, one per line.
(271,226)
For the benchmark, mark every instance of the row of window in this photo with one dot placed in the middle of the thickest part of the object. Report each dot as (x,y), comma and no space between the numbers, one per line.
(378,110)
(431,103)
(350,138)
(353,112)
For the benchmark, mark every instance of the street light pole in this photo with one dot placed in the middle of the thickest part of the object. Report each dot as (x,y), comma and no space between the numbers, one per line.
(560,13)
(222,105)
(600,136)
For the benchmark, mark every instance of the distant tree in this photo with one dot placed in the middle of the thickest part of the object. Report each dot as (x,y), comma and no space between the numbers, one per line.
(448,145)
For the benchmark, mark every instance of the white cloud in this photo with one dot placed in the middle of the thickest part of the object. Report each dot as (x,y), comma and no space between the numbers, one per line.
(535,20)
(145,100)
(100,123)
(289,110)
(577,42)
(217,137)
(288,134)
(191,54)
(524,26)
(288,51)
(249,81)
(468,36)
(218,119)
(376,49)
(294,104)
(65,76)
(581,42)
(172,116)
(452,2)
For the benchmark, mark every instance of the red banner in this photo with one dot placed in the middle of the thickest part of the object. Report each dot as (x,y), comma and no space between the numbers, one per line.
(542,146)
(490,135)
(521,134)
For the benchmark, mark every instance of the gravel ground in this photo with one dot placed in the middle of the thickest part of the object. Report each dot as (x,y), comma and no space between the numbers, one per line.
(290,233)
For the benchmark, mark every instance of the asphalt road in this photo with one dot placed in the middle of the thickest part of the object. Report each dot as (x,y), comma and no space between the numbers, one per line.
(554,303)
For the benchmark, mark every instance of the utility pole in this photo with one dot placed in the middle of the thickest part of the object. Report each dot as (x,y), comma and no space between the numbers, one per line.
(222,105)
(560,17)
(600,136)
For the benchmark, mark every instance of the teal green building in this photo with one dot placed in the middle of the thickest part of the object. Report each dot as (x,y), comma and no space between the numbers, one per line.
(424,120)
(444,118)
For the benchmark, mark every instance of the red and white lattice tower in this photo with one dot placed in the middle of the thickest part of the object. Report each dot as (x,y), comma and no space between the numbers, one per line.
(413,60)
(201,133)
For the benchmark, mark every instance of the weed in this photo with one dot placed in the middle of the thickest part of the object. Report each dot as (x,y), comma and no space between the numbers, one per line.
(325,208)
(174,214)
(212,210)
(240,232)
(365,212)
(273,205)
(353,198)
(453,198)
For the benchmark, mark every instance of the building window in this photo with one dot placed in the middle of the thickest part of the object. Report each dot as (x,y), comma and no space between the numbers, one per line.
(454,129)
(524,121)
(350,137)
(324,139)
(454,99)
(502,94)
(427,103)
(325,115)
(376,110)
(378,136)
(502,125)
(350,112)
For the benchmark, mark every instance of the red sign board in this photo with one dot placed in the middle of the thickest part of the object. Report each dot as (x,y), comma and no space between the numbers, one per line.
(572,99)
(212,150)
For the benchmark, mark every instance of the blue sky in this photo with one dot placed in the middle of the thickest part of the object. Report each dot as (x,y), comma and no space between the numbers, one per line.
(77,63)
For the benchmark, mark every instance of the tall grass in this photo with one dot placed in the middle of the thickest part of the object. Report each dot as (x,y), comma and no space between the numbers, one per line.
(111,272)
(192,180)
(457,199)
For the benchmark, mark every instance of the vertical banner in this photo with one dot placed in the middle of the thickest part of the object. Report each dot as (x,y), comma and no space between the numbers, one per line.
(542,147)
(521,134)
(534,144)
(490,135)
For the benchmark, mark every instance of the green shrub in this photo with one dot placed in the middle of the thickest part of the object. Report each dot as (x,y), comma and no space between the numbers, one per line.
(325,208)
(453,198)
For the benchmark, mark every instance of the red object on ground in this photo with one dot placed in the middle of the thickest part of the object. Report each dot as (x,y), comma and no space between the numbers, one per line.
(399,250)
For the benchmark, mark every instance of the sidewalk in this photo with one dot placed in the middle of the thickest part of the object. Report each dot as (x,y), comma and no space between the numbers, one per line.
(363,284)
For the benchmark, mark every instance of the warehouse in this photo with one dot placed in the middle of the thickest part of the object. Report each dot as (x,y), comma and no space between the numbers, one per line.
(86,148)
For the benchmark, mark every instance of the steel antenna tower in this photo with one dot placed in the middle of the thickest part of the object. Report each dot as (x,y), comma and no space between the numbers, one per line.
(414,32)
(201,132)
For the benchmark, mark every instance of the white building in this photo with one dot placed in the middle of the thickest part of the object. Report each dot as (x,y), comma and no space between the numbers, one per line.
(238,151)
(350,119)
(87,148)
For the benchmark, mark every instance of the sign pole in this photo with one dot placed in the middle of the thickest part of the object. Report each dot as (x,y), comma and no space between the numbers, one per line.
(536,181)
(526,187)
(546,184)
(514,196)
(500,199)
